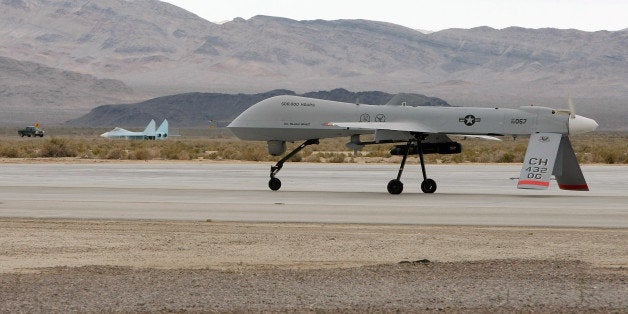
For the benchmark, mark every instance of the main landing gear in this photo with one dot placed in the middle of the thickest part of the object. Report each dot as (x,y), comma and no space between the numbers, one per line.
(394,186)
(274,183)
(427,186)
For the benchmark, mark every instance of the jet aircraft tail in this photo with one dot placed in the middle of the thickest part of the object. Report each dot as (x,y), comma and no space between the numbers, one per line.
(149,131)
(162,131)
(547,154)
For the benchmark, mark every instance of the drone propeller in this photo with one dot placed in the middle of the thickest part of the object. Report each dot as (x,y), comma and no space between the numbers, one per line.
(578,124)
(572,110)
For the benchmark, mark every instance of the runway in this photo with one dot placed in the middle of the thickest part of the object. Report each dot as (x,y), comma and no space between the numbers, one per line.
(326,193)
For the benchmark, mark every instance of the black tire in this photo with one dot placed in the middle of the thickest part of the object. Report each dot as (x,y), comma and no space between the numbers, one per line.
(395,186)
(428,186)
(21,134)
(274,184)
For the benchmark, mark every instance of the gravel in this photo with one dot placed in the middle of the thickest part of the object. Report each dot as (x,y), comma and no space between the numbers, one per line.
(146,266)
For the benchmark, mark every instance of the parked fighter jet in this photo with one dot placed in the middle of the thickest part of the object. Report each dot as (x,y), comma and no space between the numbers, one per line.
(424,130)
(149,132)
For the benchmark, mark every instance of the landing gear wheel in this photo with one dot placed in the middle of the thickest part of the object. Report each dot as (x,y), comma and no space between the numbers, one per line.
(395,186)
(428,186)
(274,184)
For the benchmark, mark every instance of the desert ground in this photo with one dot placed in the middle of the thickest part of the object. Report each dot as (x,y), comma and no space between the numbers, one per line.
(59,265)
(66,244)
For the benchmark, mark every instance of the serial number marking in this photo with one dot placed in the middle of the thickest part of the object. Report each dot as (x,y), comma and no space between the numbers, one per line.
(296,123)
(536,171)
(297,104)
(518,121)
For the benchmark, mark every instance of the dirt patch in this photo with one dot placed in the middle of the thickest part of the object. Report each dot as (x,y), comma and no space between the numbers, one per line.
(467,286)
(91,265)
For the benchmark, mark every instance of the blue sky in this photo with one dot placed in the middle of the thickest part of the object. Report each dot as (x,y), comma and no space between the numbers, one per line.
(588,15)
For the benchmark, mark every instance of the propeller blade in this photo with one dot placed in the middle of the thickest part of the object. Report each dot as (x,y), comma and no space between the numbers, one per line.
(572,110)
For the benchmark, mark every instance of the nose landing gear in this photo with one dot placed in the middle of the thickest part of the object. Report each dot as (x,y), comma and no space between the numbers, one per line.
(274,183)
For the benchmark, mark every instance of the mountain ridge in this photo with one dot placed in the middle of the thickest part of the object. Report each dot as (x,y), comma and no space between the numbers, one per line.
(195,110)
(32,90)
(157,49)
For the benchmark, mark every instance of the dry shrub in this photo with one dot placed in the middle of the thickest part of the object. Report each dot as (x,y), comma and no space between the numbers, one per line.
(506,157)
(254,154)
(296,158)
(609,148)
(379,151)
(332,157)
(228,152)
(9,152)
(211,155)
(57,147)
(183,155)
(312,158)
(141,153)
(337,158)
(116,153)
(176,150)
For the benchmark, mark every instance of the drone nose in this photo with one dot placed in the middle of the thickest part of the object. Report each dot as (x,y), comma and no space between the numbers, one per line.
(579,124)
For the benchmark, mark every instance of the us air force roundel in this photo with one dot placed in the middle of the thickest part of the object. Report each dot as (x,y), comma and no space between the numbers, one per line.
(469,120)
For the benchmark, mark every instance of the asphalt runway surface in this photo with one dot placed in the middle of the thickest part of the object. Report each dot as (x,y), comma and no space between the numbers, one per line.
(327,193)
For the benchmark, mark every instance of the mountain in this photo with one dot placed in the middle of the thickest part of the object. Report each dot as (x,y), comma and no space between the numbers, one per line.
(193,110)
(158,49)
(34,92)
(374,97)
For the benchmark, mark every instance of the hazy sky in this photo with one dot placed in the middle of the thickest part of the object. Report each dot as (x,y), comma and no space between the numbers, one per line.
(588,15)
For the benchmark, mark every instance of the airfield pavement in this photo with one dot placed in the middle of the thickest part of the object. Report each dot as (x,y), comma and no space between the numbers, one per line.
(198,236)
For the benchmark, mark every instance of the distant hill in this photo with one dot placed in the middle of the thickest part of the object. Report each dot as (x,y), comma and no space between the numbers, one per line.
(197,109)
(33,92)
(158,49)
